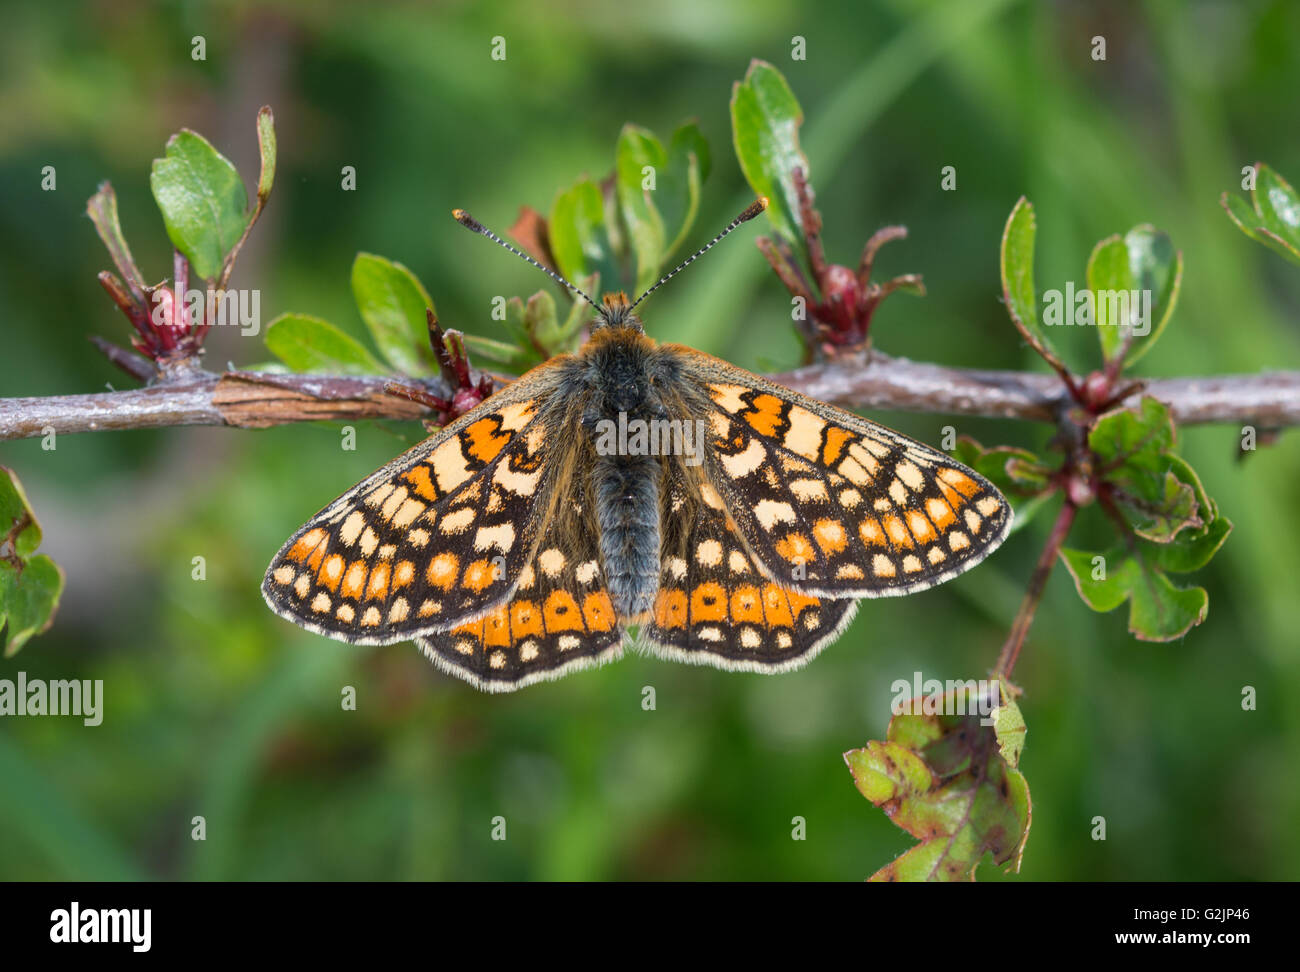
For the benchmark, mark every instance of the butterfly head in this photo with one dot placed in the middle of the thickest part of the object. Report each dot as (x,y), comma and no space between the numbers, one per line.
(614,309)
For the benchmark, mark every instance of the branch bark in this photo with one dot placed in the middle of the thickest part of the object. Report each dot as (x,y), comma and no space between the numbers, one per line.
(257,400)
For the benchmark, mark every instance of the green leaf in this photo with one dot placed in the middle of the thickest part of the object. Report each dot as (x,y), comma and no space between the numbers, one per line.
(580,235)
(765,120)
(202,201)
(1018,279)
(102,209)
(1132,447)
(1158,270)
(393,303)
(266,149)
(639,158)
(1143,263)
(1018,473)
(678,195)
(1008,727)
(508,354)
(310,344)
(944,779)
(1160,611)
(1273,215)
(30,583)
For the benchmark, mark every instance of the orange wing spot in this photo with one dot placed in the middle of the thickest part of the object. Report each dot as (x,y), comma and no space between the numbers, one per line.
(479,575)
(331,572)
(940,512)
(922,528)
(708,603)
(483,440)
(959,481)
(354,580)
(776,607)
(561,613)
(472,628)
(801,602)
(897,532)
(954,498)
(377,589)
(829,535)
(525,620)
(314,561)
(403,574)
(598,611)
(421,482)
(442,570)
(836,439)
(670,609)
(795,549)
(306,545)
(496,628)
(764,415)
(746,605)
(871,533)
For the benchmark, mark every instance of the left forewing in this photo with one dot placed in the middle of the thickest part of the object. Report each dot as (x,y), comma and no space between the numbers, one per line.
(833,504)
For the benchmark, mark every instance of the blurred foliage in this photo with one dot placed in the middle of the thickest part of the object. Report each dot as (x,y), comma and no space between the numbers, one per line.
(214,707)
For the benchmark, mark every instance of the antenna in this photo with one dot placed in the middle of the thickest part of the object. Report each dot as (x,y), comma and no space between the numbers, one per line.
(469,222)
(756,207)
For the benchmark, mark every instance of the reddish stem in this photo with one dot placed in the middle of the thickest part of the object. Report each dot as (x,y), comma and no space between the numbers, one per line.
(1037,585)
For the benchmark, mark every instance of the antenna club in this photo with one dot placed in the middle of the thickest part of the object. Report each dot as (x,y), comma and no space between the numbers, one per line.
(466,220)
(758,206)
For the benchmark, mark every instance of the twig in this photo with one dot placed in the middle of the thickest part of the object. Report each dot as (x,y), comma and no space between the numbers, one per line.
(1037,585)
(256,400)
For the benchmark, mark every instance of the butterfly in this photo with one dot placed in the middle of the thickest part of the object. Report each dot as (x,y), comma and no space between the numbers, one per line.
(733,521)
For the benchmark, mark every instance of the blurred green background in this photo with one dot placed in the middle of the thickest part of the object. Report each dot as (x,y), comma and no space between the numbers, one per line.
(215,707)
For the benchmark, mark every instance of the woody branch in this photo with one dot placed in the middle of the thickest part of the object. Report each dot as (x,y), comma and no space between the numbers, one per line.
(258,400)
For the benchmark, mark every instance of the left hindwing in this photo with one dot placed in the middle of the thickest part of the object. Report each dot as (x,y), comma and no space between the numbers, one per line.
(833,504)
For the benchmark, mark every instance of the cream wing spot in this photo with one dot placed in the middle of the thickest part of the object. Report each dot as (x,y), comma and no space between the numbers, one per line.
(500,537)
(551,561)
(456,521)
(407,513)
(809,490)
(804,437)
(449,468)
(771,512)
(352,527)
(394,501)
(988,506)
(910,475)
(709,553)
(728,397)
(745,462)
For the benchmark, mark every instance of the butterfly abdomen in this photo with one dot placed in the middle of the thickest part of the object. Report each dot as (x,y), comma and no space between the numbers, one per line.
(627,509)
